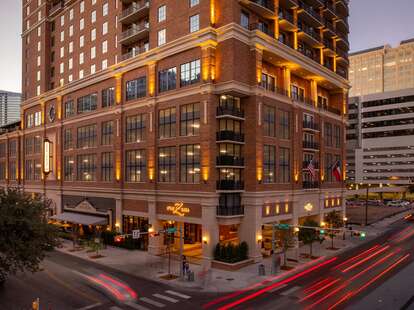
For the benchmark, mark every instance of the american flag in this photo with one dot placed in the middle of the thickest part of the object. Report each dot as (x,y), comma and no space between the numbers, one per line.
(311,169)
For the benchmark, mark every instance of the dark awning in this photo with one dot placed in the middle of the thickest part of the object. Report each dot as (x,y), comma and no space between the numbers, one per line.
(78,218)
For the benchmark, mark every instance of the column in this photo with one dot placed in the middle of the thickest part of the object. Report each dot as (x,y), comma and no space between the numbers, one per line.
(155,243)
(295,33)
(208,55)
(118,215)
(314,92)
(152,77)
(258,54)
(210,233)
(276,4)
(286,79)
(118,88)
(251,230)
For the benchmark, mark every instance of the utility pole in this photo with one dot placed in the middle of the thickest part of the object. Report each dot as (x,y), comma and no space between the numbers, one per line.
(181,253)
(366,206)
(273,269)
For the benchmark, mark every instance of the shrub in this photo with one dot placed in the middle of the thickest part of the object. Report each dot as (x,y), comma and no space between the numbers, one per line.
(230,253)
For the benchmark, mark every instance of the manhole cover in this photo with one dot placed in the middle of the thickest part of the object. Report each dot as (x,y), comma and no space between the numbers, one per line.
(230,279)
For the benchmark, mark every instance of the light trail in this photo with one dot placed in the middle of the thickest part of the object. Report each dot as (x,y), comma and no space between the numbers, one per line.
(316,285)
(339,288)
(319,290)
(402,238)
(400,233)
(130,291)
(373,265)
(356,257)
(366,259)
(118,295)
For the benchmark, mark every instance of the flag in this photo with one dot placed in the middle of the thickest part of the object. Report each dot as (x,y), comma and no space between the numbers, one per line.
(336,171)
(311,169)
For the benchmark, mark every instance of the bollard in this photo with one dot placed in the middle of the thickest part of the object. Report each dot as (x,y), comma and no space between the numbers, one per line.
(262,271)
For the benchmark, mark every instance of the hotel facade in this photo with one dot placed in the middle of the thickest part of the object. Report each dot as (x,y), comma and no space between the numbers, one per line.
(198,114)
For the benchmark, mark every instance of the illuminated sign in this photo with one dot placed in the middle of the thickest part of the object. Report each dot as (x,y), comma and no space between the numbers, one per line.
(47,155)
(308,207)
(178,209)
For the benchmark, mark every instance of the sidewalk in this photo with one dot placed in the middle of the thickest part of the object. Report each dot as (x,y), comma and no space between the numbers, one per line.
(142,264)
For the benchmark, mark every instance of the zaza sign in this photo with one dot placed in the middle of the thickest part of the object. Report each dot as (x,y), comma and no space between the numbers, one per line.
(178,209)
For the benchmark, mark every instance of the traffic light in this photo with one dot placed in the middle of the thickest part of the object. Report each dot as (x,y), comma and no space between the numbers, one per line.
(322,232)
(362,234)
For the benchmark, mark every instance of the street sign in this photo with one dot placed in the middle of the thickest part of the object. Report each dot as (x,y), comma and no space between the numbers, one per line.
(171,230)
(136,234)
(283,226)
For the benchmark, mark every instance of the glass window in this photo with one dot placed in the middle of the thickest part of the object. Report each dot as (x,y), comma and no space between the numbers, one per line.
(190,73)
(2,170)
(244,20)
(162,13)
(12,170)
(37,170)
(135,166)
(2,150)
(108,97)
(269,164)
(337,136)
(190,163)
(195,23)
(167,123)
(136,88)
(297,93)
(67,139)
(167,79)
(86,136)
(328,134)
(28,146)
(13,148)
(107,132)
(86,167)
(269,121)
(190,119)
(88,103)
(284,165)
(69,108)
(29,169)
(268,82)
(37,145)
(162,37)
(68,168)
(194,3)
(166,164)
(284,124)
(107,167)
(135,128)
(328,167)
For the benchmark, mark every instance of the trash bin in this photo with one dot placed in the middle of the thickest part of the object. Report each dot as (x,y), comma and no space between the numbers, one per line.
(190,276)
(262,271)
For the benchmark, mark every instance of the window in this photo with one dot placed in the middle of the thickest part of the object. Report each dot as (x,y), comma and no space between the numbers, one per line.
(136,88)
(3,150)
(297,93)
(166,164)
(93,52)
(107,132)
(12,170)
(68,172)
(62,36)
(328,167)
(162,37)
(107,167)
(81,74)
(194,3)
(162,13)
(268,82)
(37,145)
(62,68)
(190,73)
(70,64)
(29,169)
(62,20)
(67,139)
(244,20)
(93,69)
(284,165)
(190,163)
(167,79)
(195,23)
(167,121)
(87,103)
(284,124)
(108,97)
(190,119)
(105,9)
(135,128)
(82,6)
(37,118)
(104,47)
(82,24)
(93,16)
(2,170)
(135,166)
(337,136)
(93,34)
(71,14)
(69,108)
(104,64)
(70,30)
(328,135)
(269,164)
(81,41)
(28,146)
(81,58)
(269,121)
(104,28)
(86,167)
(87,136)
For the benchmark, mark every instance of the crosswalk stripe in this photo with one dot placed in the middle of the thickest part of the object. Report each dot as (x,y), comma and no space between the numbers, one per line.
(290,291)
(165,298)
(136,306)
(115,308)
(152,302)
(178,294)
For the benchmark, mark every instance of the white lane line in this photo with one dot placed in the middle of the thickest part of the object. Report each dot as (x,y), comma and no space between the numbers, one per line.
(278,288)
(136,306)
(165,298)
(90,306)
(178,294)
(115,308)
(290,291)
(152,302)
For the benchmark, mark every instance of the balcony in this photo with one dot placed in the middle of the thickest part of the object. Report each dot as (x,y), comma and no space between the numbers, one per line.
(304,100)
(343,39)
(329,47)
(134,12)
(310,184)
(231,136)
(342,72)
(261,27)
(134,34)
(229,161)
(288,4)
(331,110)
(342,23)
(230,111)
(310,145)
(230,185)
(342,7)
(315,164)
(329,29)
(310,14)
(286,21)
(285,41)
(330,9)
(265,8)
(310,54)
(310,126)
(55,8)
(223,211)
(342,55)
(311,37)
(133,53)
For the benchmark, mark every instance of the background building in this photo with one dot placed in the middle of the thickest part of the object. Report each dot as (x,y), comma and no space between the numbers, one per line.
(9,107)
(208,126)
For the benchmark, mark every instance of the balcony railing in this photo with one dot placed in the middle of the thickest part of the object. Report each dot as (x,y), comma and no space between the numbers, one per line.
(310,184)
(328,44)
(261,27)
(331,110)
(285,41)
(134,30)
(310,31)
(232,111)
(228,160)
(302,99)
(330,6)
(342,73)
(308,53)
(135,52)
(310,145)
(329,25)
(310,125)
(134,8)
(287,16)
(230,210)
(268,4)
(230,185)
(315,164)
(308,9)
(228,135)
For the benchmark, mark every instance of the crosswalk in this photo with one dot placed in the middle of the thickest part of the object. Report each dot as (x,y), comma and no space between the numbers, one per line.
(155,301)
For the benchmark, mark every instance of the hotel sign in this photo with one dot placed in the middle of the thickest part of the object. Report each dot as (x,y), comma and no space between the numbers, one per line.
(178,209)
(47,154)
(308,207)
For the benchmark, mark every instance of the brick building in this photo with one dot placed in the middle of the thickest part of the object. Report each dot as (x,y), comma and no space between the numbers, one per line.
(201,114)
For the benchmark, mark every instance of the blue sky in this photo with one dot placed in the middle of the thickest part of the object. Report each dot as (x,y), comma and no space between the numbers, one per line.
(372,22)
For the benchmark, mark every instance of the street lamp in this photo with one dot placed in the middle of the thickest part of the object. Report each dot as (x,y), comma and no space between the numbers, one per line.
(366,205)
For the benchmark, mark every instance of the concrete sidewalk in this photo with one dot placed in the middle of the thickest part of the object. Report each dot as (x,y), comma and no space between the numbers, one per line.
(142,264)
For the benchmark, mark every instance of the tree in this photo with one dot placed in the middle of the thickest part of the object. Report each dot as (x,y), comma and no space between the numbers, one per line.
(287,241)
(308,235)
(333,220)
(25,234)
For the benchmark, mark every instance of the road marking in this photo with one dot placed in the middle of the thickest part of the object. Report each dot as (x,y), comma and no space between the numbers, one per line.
(178,294)
(90,306)
(165,298)
(115,308)
(290,291)
(152,302)
(278,288)
(136,306)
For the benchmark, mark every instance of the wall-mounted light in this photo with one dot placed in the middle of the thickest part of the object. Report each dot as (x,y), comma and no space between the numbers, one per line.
(259,239)
(296,229)
(205,240)
(323,224)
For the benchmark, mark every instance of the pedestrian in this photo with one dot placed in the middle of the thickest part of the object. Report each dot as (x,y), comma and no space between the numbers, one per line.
(186,268)
(184,262)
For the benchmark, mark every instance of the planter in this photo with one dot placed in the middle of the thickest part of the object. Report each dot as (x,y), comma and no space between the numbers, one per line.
(231,266)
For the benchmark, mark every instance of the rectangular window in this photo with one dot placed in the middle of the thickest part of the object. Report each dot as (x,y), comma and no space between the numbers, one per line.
(244,20)
(12,170)
(2,170)
(194,3)
(328,167)
(135,128)
(69,108)
(162,37)
(105,9)
(28,146)
(37,170)
(194,23)
(284,125)
(29,169)
(190,163)
(135,166)
(297,93)
(136,88)
(167,79)
(268,82)
(107,167)
(86,167)
(67,139)
(269,164)
(12,148)
(108,97)
(269,121)
(337,136)
(68,168)
(162,13)
(88,103)
(37,149)
(86,136)
(107,133)
(284,165)
(328,135)
(190,73)
(190,119)
(322,102)
(167,123)
(3,150)
(166,164)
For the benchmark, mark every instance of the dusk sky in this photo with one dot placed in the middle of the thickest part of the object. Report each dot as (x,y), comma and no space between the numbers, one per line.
(372,22)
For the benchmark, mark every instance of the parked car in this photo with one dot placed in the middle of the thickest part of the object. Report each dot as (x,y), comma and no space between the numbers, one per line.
(394,203)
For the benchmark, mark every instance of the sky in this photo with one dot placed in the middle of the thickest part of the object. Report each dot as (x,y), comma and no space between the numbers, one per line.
(372,22)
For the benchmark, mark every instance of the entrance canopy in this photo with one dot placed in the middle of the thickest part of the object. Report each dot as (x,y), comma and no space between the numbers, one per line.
(77,218)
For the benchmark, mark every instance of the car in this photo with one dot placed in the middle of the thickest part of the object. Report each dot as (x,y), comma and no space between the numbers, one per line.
(405,203)
(394,203)
(409,217)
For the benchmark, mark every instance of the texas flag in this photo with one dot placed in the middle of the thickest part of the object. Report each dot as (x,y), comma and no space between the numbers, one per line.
(336,171)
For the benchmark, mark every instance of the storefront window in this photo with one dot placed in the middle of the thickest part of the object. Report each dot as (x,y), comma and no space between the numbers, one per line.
(131,223)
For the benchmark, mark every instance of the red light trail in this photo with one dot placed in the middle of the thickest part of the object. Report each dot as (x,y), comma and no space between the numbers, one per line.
(320,290)
(356,257)
(130,291)
(366,259)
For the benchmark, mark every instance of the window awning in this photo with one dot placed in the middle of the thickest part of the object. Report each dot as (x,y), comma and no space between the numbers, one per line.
(78,218)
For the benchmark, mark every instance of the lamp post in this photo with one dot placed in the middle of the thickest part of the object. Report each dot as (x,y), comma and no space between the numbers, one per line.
(366,205)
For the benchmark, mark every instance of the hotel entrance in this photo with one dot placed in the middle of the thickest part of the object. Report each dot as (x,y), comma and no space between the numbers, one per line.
(192,238)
